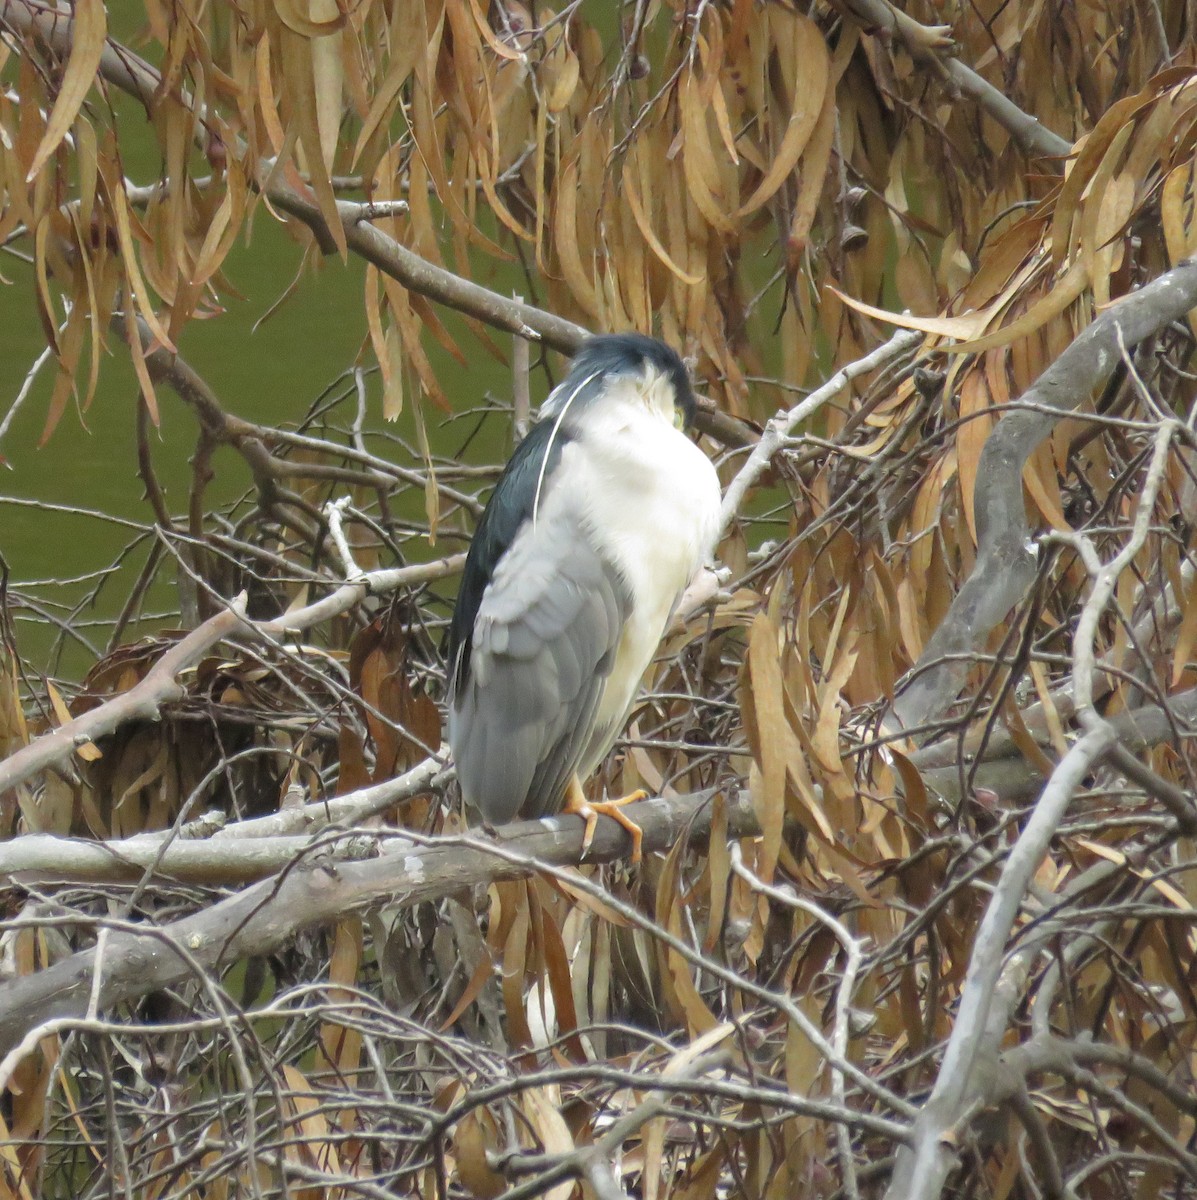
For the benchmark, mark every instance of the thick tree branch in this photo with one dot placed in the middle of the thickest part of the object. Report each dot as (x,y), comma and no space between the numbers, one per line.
(1006,771)
(319,888)
(1005,566)
(208,851)
(1046,1052)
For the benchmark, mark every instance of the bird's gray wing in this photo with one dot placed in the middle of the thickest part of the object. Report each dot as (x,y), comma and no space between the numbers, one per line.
(543,644)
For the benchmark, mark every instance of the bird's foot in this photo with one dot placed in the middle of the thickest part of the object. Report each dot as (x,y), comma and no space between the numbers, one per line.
(591,810)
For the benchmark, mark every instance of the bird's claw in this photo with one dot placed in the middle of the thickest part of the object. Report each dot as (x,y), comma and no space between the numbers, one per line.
(590,813)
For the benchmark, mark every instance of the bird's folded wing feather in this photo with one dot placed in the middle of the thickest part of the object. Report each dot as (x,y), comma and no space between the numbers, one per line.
(543,644)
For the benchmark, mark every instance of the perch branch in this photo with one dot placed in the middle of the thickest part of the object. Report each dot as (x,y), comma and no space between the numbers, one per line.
(269,914)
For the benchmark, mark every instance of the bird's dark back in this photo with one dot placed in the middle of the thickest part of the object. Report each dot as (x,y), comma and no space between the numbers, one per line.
(510,505)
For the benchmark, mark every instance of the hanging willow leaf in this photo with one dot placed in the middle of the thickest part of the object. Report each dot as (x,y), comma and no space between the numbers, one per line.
(698,159)
(654,243)
(298,69)
(768,710)
(386,97)
(133,276)
(809,73)
(328,74)
(565,228)
(87,47)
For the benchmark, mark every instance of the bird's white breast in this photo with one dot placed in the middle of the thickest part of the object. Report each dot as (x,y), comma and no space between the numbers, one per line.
(650,499)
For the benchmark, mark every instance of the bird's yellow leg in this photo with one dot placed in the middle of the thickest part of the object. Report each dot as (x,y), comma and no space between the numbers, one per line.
(590,811)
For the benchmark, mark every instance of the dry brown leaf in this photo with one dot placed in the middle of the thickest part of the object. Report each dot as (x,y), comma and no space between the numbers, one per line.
(810,186)
(515,960)
(87,46)
(719,866)
(676,979)
(476,1134)
(542,1108)
(698,158)
(317,1145)
(297,67)
(1066,289)
(967,326)
(1182,655)
(327,77)
(342,1045)
(566,239)
(810,73)
(562,72)
(975,428)
(129,262)
(1092,151)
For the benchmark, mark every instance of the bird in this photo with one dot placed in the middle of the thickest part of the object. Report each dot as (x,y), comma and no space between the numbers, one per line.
(601,518)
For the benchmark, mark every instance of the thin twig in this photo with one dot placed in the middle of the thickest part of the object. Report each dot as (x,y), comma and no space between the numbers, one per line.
(773,437)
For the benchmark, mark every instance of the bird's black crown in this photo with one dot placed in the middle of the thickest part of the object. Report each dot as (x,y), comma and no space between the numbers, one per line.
(610,354)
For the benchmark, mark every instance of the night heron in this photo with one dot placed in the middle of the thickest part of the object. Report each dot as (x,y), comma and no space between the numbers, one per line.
(598,523)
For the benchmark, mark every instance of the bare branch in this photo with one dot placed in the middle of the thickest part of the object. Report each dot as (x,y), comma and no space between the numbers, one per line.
(143,702)
(426,278)
(922,1169)
(779,427)
(853,950)
(372,583)
(212,852)
(160,686)
(929,46)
